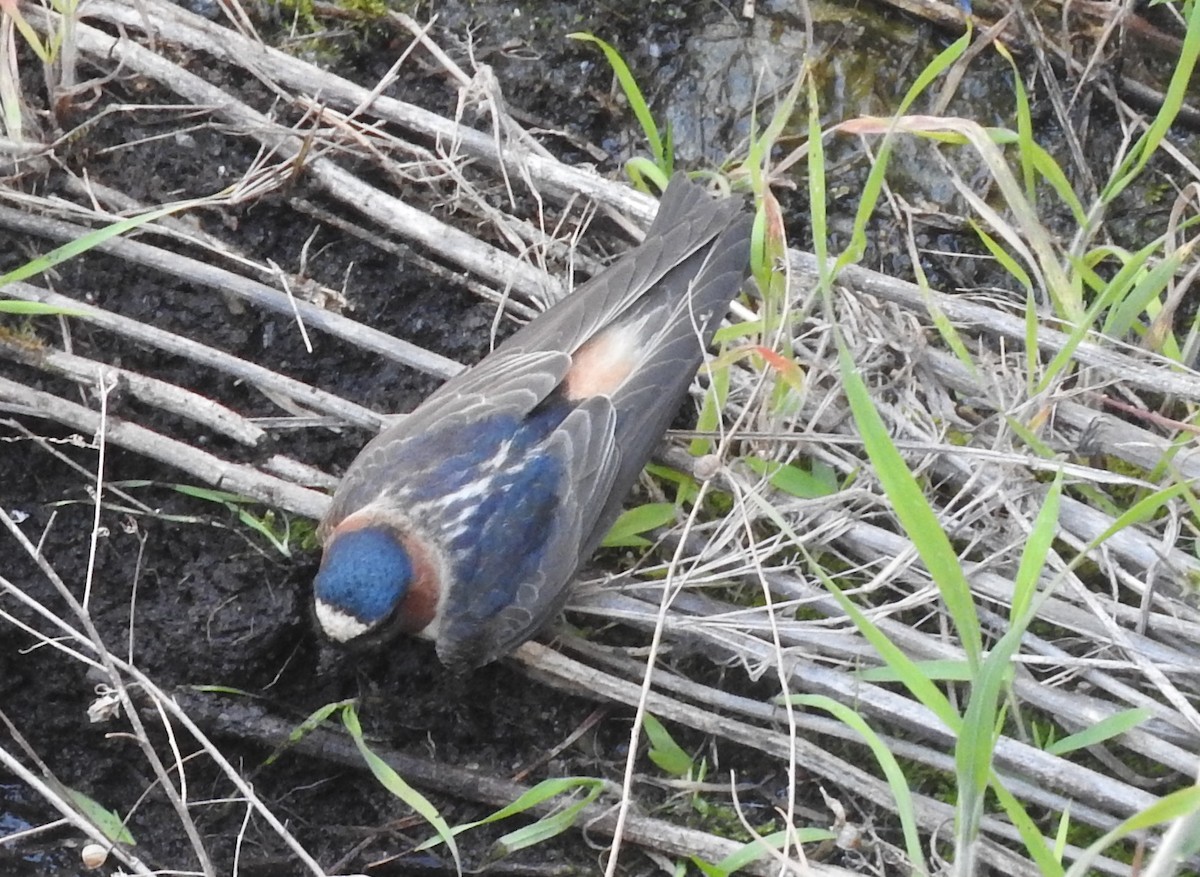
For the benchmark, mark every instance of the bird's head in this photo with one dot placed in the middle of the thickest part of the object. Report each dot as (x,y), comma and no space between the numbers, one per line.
(372,582)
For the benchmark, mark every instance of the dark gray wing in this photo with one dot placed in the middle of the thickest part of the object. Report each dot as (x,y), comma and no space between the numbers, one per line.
(530,364)
(687,222)
(602,445)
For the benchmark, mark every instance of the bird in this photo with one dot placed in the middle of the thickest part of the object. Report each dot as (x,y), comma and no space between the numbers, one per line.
(465,521)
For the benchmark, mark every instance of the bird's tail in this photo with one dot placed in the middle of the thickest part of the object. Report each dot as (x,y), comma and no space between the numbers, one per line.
(687,304)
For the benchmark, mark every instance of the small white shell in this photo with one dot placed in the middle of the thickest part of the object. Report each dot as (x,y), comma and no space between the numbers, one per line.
(93,856)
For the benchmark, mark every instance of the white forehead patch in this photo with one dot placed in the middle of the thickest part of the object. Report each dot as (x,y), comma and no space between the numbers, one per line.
(338,625)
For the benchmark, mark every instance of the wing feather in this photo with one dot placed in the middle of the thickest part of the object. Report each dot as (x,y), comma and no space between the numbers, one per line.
(687,222)
(519,382)
(584,443)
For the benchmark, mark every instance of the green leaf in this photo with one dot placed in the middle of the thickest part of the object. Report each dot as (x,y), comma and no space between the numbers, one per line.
(547,827)
(873,187)
(887,763)
(709,420)
(686,487)
(915,514)
(109,823)
(263,526)
(760,848)
(315,718)
(1144,294)
(1063,833)
(818,190)
(543,791)
(1030,831)
(1001,255)
(822,481)
(1109,295)
(1142,510)
(626,530)
(1033,558)
(909,674)
(1053,174)
(637,101)
(42,50)
(223,497)
(221,689)
(645,175)
(975,747)
(86,242)
(946,670)
(664,751)
(1143,150)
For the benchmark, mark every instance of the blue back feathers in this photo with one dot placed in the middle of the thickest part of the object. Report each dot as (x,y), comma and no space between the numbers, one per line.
(366,573)
(499,541)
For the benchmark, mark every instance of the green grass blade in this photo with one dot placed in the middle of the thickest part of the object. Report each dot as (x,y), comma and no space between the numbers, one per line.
(1033,558)
(976,741)
(542,792)
(1064,830)
(874,184)
(646,175)
(314,719)
(975,749)
(86,242)
(817,190)
(973,752)
(263,526)
(1177,805)
(1115,291)
(30,35)
(1132,303)
(637,101)
(1035,844)
(627,529)
(1148,144)
(913,510)
(906,670)
(941,670)
(901,793)
(545,828)
(1101,731)
(1050,171)
(1140,511)
(760,848)
(709,420)
(108,821)
(36,308)
(1001,255)
(222,497)
(791,479)
(392,781)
